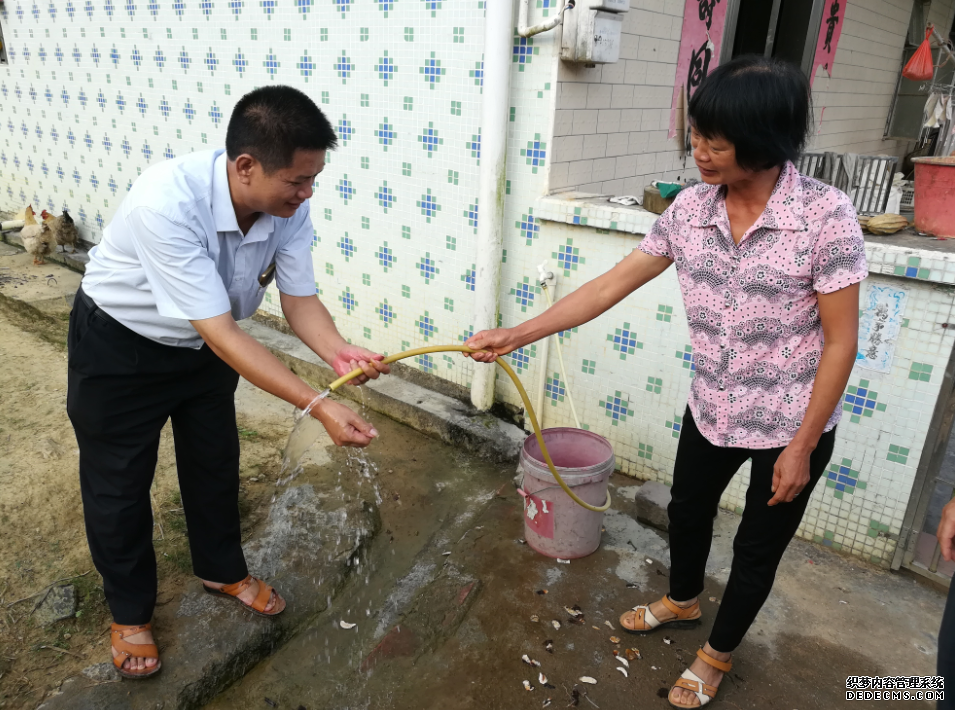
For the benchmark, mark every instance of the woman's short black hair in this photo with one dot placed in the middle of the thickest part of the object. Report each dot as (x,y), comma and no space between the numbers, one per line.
(762,106)
(272,122)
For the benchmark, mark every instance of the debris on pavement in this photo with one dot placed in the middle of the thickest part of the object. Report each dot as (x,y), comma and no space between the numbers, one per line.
(530,661)
(549,646)
(623,670)
(555,624)
(587,679)
(528,686)
(345,625)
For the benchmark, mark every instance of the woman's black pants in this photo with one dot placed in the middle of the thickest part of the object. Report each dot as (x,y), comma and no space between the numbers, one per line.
(700,475)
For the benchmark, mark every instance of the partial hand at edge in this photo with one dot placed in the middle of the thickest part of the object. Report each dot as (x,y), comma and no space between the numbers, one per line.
(946,531)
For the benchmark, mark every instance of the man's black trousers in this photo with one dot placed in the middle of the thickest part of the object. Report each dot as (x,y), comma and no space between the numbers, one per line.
(122,390)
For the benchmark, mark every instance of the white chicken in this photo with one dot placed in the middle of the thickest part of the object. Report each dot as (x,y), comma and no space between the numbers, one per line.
(37,238)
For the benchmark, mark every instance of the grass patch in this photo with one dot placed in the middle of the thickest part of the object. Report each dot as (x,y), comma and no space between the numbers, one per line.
(176,522)
(173,556)
(247,434)
(91,607)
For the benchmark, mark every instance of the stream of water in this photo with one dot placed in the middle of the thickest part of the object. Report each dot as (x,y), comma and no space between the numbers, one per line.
(305,432)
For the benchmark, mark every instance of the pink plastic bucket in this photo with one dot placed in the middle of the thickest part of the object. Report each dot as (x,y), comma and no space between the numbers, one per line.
(554,525)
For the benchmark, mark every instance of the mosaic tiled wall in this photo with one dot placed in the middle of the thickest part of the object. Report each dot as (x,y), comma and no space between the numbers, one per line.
(96,90)
(629,374)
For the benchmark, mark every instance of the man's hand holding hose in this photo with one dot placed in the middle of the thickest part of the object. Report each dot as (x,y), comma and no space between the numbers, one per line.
(255,363)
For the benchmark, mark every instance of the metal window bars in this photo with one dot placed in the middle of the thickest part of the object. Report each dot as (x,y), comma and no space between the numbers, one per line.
(870,181)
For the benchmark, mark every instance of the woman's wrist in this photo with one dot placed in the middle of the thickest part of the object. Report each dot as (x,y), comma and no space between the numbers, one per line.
(520,336)
(803,443)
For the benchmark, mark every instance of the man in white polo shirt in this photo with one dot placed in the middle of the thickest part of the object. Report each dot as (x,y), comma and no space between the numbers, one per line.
(153,336)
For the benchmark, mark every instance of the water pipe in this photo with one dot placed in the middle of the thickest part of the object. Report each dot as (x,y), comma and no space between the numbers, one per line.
(498,46)
(496,84)
(545,277)
(520,390)
(524,31)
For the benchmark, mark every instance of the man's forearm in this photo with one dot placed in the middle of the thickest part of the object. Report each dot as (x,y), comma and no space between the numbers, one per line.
(253,361)
(313,324)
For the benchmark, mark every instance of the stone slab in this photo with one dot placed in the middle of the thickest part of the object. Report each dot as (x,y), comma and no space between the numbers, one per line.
(652,500)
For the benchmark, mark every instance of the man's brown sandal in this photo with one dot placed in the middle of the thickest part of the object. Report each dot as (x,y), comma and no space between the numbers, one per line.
(692,682)
(643,621)
(261,601)
(125,649)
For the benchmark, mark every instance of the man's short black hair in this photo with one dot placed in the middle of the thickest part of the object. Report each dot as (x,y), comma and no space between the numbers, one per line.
(272,122)
(762,106)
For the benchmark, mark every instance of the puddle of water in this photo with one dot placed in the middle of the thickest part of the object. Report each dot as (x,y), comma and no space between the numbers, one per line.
(320,668)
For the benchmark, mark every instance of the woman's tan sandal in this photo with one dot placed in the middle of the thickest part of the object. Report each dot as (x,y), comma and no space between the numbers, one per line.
(261,601)
(125,649)
(692,682)
(643,621)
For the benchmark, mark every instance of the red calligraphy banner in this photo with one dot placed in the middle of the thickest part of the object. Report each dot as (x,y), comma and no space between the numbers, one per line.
(833,18)
(700,42)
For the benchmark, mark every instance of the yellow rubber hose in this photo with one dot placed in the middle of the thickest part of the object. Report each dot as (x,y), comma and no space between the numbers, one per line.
(520,389)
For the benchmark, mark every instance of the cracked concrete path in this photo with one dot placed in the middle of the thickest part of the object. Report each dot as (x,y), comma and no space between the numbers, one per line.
(450,631)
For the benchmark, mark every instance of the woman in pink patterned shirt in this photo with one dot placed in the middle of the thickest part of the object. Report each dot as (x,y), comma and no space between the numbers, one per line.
(769,264)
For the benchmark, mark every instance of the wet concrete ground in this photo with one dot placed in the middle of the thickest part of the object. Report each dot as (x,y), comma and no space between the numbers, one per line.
(438,630)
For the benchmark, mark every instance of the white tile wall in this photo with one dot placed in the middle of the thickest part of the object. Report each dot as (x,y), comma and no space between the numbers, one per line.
(879,453)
